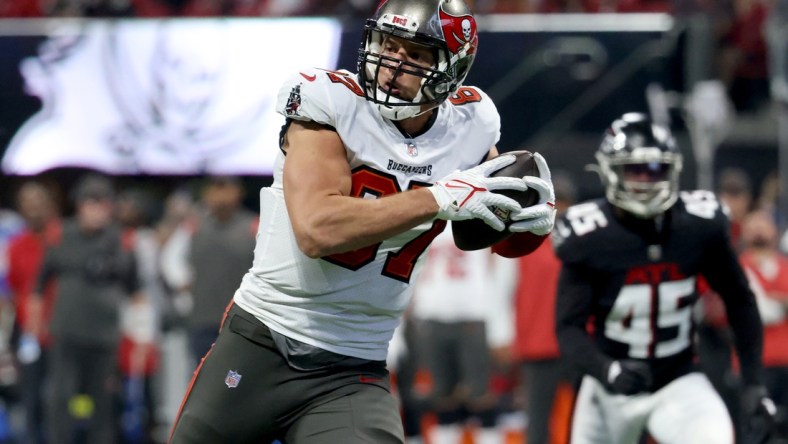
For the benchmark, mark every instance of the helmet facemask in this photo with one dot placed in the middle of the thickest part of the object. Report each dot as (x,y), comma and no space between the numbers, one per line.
(643,182)
(446,29)
(434,86)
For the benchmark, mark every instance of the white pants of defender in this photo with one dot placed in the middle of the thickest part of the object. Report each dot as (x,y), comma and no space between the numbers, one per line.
(686,411)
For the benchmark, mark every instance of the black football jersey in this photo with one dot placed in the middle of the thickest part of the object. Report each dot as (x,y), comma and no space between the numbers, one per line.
(628,285)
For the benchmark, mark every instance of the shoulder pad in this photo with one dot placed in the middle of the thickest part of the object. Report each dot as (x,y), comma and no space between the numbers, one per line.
(703,204)
(575,228)
(473,100)
(316,94)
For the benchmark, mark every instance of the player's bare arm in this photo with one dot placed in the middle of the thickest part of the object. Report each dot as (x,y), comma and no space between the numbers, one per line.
(493,152)
(325,218)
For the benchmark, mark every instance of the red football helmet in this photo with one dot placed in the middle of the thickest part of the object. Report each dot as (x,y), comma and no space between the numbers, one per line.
(445,26)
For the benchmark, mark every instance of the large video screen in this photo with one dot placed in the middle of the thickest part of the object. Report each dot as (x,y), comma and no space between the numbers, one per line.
(169,97)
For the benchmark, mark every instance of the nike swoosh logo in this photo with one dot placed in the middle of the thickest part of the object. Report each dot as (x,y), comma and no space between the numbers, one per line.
(464,184)
(309,78)
(472,189)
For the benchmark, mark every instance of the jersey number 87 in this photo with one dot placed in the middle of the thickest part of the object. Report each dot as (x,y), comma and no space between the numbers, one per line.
(368,182)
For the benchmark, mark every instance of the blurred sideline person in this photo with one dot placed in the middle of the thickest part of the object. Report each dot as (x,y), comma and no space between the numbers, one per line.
(371,167)
(734,189)
(176,364)
(11,225)
(94,273)
(547,383)
(715,338)
(630,264)
(219,252)
(140,318)
(769,269)
(462,313)
(411,382)
(37,206)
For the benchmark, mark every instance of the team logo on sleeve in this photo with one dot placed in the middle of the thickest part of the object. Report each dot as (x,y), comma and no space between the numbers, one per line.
(232,379)
(293,101)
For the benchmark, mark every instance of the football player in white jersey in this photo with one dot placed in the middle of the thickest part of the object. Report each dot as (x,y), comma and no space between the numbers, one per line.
(372,165)
(462,317)
(630,266)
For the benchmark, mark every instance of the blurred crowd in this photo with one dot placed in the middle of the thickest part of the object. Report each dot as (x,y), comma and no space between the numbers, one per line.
(179,8)
(721,10)
(106,311)
(112,295)
(737,30)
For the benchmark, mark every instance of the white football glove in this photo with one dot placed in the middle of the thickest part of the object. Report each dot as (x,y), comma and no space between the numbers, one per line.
(467,194)
(540,217)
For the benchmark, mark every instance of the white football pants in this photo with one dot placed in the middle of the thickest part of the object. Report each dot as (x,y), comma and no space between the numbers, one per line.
(686,411)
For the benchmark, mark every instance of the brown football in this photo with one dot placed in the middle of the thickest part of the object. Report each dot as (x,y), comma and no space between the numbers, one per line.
(474,234)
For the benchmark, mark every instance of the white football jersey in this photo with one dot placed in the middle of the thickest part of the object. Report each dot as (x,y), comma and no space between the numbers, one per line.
(351,303)
(461,285)
(458,286)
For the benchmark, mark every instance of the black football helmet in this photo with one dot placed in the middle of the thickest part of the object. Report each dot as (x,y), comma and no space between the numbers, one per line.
(639,165)
(445,26)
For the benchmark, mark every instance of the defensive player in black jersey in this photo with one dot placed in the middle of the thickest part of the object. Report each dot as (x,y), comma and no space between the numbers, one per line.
(628,284)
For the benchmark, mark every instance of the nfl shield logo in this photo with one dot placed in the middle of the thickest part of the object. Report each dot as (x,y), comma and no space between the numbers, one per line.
(232,379)
(412,150)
